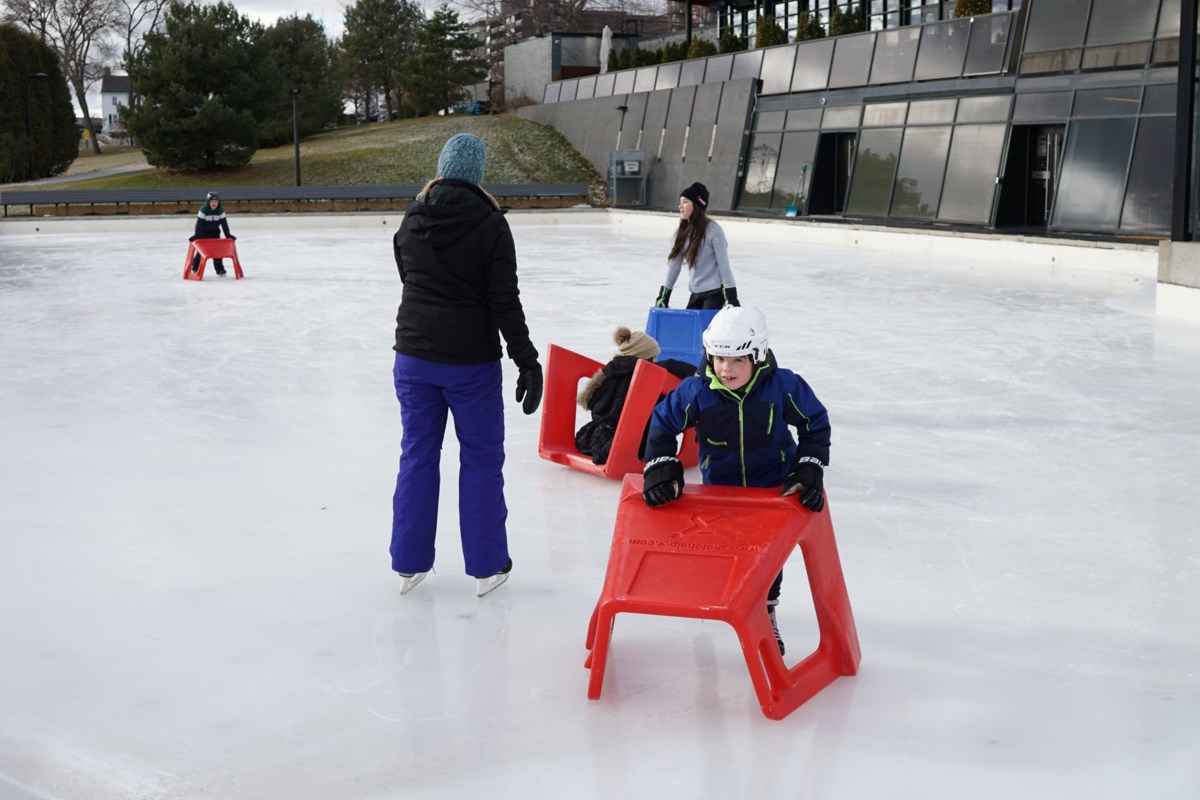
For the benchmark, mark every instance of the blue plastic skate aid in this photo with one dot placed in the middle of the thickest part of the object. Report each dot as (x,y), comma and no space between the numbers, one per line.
(678,332)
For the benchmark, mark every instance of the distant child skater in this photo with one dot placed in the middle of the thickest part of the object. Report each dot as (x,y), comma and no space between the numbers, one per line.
(210,221)
(741,411)
(700,243)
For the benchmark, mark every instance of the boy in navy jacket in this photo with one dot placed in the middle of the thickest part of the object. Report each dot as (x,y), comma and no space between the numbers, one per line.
(741,410)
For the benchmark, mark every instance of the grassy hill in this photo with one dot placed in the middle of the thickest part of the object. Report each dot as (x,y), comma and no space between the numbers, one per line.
(405,151)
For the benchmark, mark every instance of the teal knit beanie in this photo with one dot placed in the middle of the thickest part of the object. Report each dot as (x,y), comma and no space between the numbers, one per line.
(462,158)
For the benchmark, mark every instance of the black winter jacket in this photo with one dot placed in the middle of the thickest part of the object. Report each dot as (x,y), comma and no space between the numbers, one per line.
(458,263)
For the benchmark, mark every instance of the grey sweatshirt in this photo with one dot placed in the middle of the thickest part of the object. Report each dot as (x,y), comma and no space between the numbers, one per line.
(712,263)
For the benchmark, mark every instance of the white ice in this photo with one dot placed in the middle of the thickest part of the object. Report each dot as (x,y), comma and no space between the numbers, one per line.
(195,498)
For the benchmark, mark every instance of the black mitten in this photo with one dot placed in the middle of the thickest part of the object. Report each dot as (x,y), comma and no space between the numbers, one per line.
(191,238)
(664,298)
(806,479)
(663,481)
(231,236)
(529,387)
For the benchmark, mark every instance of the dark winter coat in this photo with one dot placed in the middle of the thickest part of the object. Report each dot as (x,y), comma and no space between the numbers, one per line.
(458,263)
(604,395)
(210,223)
(743,436)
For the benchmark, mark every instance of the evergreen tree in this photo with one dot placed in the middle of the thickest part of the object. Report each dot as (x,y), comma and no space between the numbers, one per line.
(846,21)
(809,27)
(701,48)
(769,33)
(55,141)
(972,8)
(380,37)
(732,43)
(442,64)
(206,83)
(305,60)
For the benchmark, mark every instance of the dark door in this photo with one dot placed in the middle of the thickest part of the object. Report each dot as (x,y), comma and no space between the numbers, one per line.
(1031,176)
(831,173)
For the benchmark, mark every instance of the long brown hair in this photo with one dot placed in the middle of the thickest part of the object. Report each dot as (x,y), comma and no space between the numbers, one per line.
(690,236)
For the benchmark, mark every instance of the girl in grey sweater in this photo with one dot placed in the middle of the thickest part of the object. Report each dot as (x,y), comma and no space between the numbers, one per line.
(701,243)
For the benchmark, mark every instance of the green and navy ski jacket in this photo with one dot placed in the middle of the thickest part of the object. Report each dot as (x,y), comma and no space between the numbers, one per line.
(744,437)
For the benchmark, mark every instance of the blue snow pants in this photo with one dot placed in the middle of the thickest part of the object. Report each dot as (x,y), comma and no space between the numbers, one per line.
(472,393)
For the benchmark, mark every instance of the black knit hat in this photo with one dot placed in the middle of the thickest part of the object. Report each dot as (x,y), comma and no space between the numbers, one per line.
(697,193)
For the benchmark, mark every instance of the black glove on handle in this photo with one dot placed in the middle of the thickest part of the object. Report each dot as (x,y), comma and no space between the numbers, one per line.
(663,481)
(664,298)
(529,387)
(807,479)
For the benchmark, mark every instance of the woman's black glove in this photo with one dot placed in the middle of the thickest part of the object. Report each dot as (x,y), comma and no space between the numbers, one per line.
(663,481)
(231,236)
(664,298)
(529,387)
(806,479)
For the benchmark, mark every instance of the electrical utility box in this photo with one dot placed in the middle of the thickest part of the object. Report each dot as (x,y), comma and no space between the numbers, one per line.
(627,177)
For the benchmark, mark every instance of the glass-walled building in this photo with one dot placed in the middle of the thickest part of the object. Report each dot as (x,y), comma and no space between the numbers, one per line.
(1058,115)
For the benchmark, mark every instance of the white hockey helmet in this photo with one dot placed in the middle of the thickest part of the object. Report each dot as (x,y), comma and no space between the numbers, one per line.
(735,332)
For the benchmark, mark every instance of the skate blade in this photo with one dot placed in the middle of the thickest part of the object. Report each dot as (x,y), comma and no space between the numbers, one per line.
(410,582)
(485,585)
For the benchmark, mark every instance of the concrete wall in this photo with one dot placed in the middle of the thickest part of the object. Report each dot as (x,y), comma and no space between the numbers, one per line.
(528,67)
(1179,279)
(693,133)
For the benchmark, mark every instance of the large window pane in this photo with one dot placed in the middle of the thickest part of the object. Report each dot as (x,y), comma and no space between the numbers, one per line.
(882,115)
(718,69)
(692,72)
(747,64)
(1151,178)
(668,76)
(1116,21)
(993,108)
(566,91)
(943,49)
(587,88)
(851,60)
(874,171)
(812,65)
(1057,25)
(989,43)
(841,117)
(1159,99)
(802,119)
(760,170)
(971,173)
(794,175)
(895,55)
(644,80)
(770,120)
(1093,175)
(777,69)
(1042,106)
(1168,19)
(1121,102)
(931,112)
(604,84)
(919,176)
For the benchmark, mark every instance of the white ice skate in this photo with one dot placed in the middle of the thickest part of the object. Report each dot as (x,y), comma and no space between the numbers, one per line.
(492,582)
(409,582)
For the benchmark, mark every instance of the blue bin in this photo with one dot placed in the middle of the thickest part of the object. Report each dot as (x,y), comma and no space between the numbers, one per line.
(678,332)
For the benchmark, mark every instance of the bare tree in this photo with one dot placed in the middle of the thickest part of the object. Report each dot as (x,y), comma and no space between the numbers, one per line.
(138,17)
(78,30)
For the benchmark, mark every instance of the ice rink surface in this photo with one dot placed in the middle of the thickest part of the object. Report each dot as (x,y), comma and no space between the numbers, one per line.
(195,496)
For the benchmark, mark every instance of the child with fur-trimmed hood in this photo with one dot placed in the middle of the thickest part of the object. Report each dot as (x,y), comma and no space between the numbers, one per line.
(604,393)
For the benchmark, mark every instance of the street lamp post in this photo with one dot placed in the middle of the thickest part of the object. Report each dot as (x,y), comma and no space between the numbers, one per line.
(296,130)
(29,120)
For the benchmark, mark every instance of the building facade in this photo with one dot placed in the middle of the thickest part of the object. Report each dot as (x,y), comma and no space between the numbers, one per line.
(1057,115)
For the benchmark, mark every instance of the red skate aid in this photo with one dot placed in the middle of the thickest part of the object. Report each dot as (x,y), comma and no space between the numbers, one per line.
(210,248)
(713,554)
(556,442)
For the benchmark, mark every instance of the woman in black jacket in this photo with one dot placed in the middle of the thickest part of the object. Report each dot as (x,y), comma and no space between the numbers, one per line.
(458,263)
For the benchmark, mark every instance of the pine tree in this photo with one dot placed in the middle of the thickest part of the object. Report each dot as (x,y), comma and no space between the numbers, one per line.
(442,63)
(206,83)
(55,141)
(305,60)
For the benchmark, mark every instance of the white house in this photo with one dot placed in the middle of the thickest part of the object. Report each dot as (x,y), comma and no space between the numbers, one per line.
(114,91)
